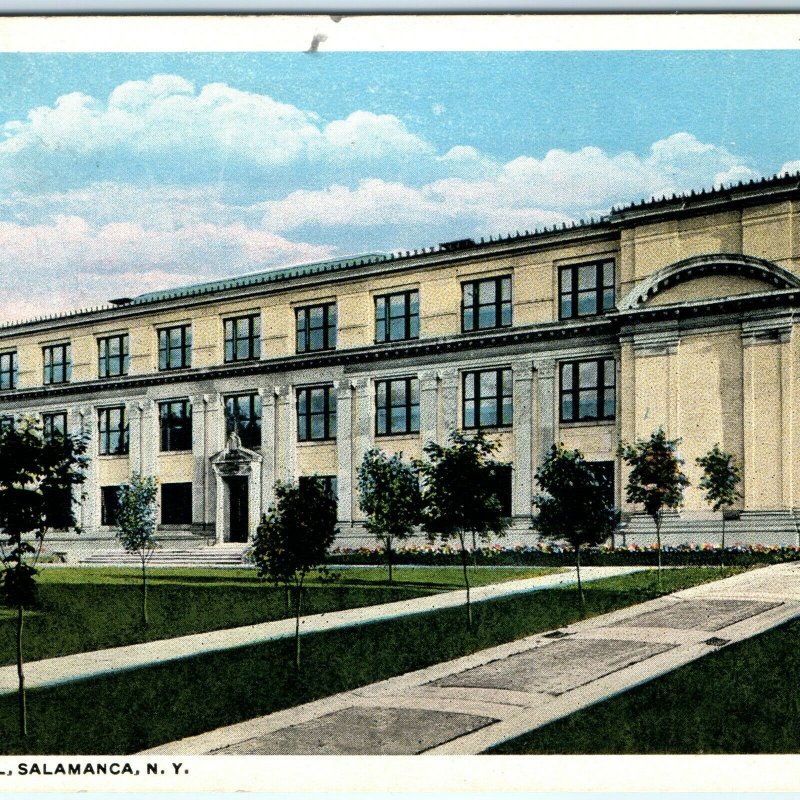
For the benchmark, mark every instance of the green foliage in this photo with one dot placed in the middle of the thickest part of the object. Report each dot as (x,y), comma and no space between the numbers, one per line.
(721,478)
(136,523)
(37,477)
(136,515)
(458,494)
(656,480)
(294,538)
(573,507)
(389,495)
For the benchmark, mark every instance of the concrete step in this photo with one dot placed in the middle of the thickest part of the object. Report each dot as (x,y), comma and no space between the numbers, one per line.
(216,556)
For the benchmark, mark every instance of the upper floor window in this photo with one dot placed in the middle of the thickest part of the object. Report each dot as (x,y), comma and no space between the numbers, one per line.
(397,406)
(316,328)
(9,371)
(397,316)
(112,355)
(176,425)
(487,398)
(175,347)
(588,390)
(243,338)
(113,431)
(316,413)
(57,363)
(486,304)
(54,425)
(586,289)
(243,415)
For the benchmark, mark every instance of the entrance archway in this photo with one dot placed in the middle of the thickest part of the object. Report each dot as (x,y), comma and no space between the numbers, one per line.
(238,483)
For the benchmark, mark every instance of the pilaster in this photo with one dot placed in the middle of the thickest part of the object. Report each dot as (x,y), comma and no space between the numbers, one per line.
(344,449)
(546,403)
(268,446)
(428,406)
(522,490)
(449,379)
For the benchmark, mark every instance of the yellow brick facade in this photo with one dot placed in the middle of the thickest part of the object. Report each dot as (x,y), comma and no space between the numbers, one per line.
(699,339)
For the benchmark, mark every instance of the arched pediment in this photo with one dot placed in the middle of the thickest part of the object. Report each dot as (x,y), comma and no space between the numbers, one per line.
(746,274)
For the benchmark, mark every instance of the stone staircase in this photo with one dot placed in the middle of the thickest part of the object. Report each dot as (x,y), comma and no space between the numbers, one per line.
(752,527)
(220,555)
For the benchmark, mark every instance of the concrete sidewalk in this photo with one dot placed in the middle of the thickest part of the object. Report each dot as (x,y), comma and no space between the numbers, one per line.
(468,705)
(54,671)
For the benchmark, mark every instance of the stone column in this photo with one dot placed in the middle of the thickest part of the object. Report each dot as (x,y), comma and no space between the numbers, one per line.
(362,434)
(268,446)
(287,425)
(133,416)
(449,401)
(344,449)
(79,423)
(521,498)
(200,456)
(428,406)
(546,402)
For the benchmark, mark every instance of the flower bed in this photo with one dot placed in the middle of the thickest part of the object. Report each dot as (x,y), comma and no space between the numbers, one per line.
(557,556)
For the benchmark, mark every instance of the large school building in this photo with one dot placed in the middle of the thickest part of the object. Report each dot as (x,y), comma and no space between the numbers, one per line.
(676,312)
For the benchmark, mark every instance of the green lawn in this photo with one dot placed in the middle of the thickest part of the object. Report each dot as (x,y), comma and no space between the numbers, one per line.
(131,711)
(82,609)
(742,699)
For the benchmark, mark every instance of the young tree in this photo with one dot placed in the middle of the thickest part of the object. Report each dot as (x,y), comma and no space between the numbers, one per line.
(459,494)
(37,477)
(389,495)
(294,538)
(573,506)
(721,478)
(656,480)
(136,523)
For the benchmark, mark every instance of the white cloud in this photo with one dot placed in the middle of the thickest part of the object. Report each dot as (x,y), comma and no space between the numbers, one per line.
(165,115)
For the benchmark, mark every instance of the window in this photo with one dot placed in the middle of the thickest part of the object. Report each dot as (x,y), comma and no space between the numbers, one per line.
(243,338)
(397,406)
(328,483)
(587,390)
(397,317)
(486,304)
(9,371)
(113,430)
(501,484)
(54,425)
(316,328)
(176,503)
(586,289)
(316,414)
(175,347)
(243,415)
(487,398)
(57,363)
(112,355)
(109,505)
(176,425)
(604,473)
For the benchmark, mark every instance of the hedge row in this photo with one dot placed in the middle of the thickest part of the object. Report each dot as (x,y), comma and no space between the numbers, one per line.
(553,556)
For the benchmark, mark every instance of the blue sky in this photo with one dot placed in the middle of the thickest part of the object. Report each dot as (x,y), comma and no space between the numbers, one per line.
(127,173)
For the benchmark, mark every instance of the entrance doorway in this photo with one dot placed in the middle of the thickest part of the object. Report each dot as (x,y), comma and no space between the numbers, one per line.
(239,508)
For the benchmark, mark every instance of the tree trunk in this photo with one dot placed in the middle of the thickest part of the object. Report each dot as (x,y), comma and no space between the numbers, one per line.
(474,550)
(722,544)
(466,579)
(22,700)
(389,555)
(288,600)
(658,546)
(578,568)
(144,591)
(297,608)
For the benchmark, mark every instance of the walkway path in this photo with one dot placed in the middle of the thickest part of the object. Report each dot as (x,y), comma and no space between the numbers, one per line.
(470,704)
(52,671)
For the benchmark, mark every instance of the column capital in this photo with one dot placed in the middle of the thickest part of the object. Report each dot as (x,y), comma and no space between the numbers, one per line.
(523,370)
(767,331)
(546,368)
